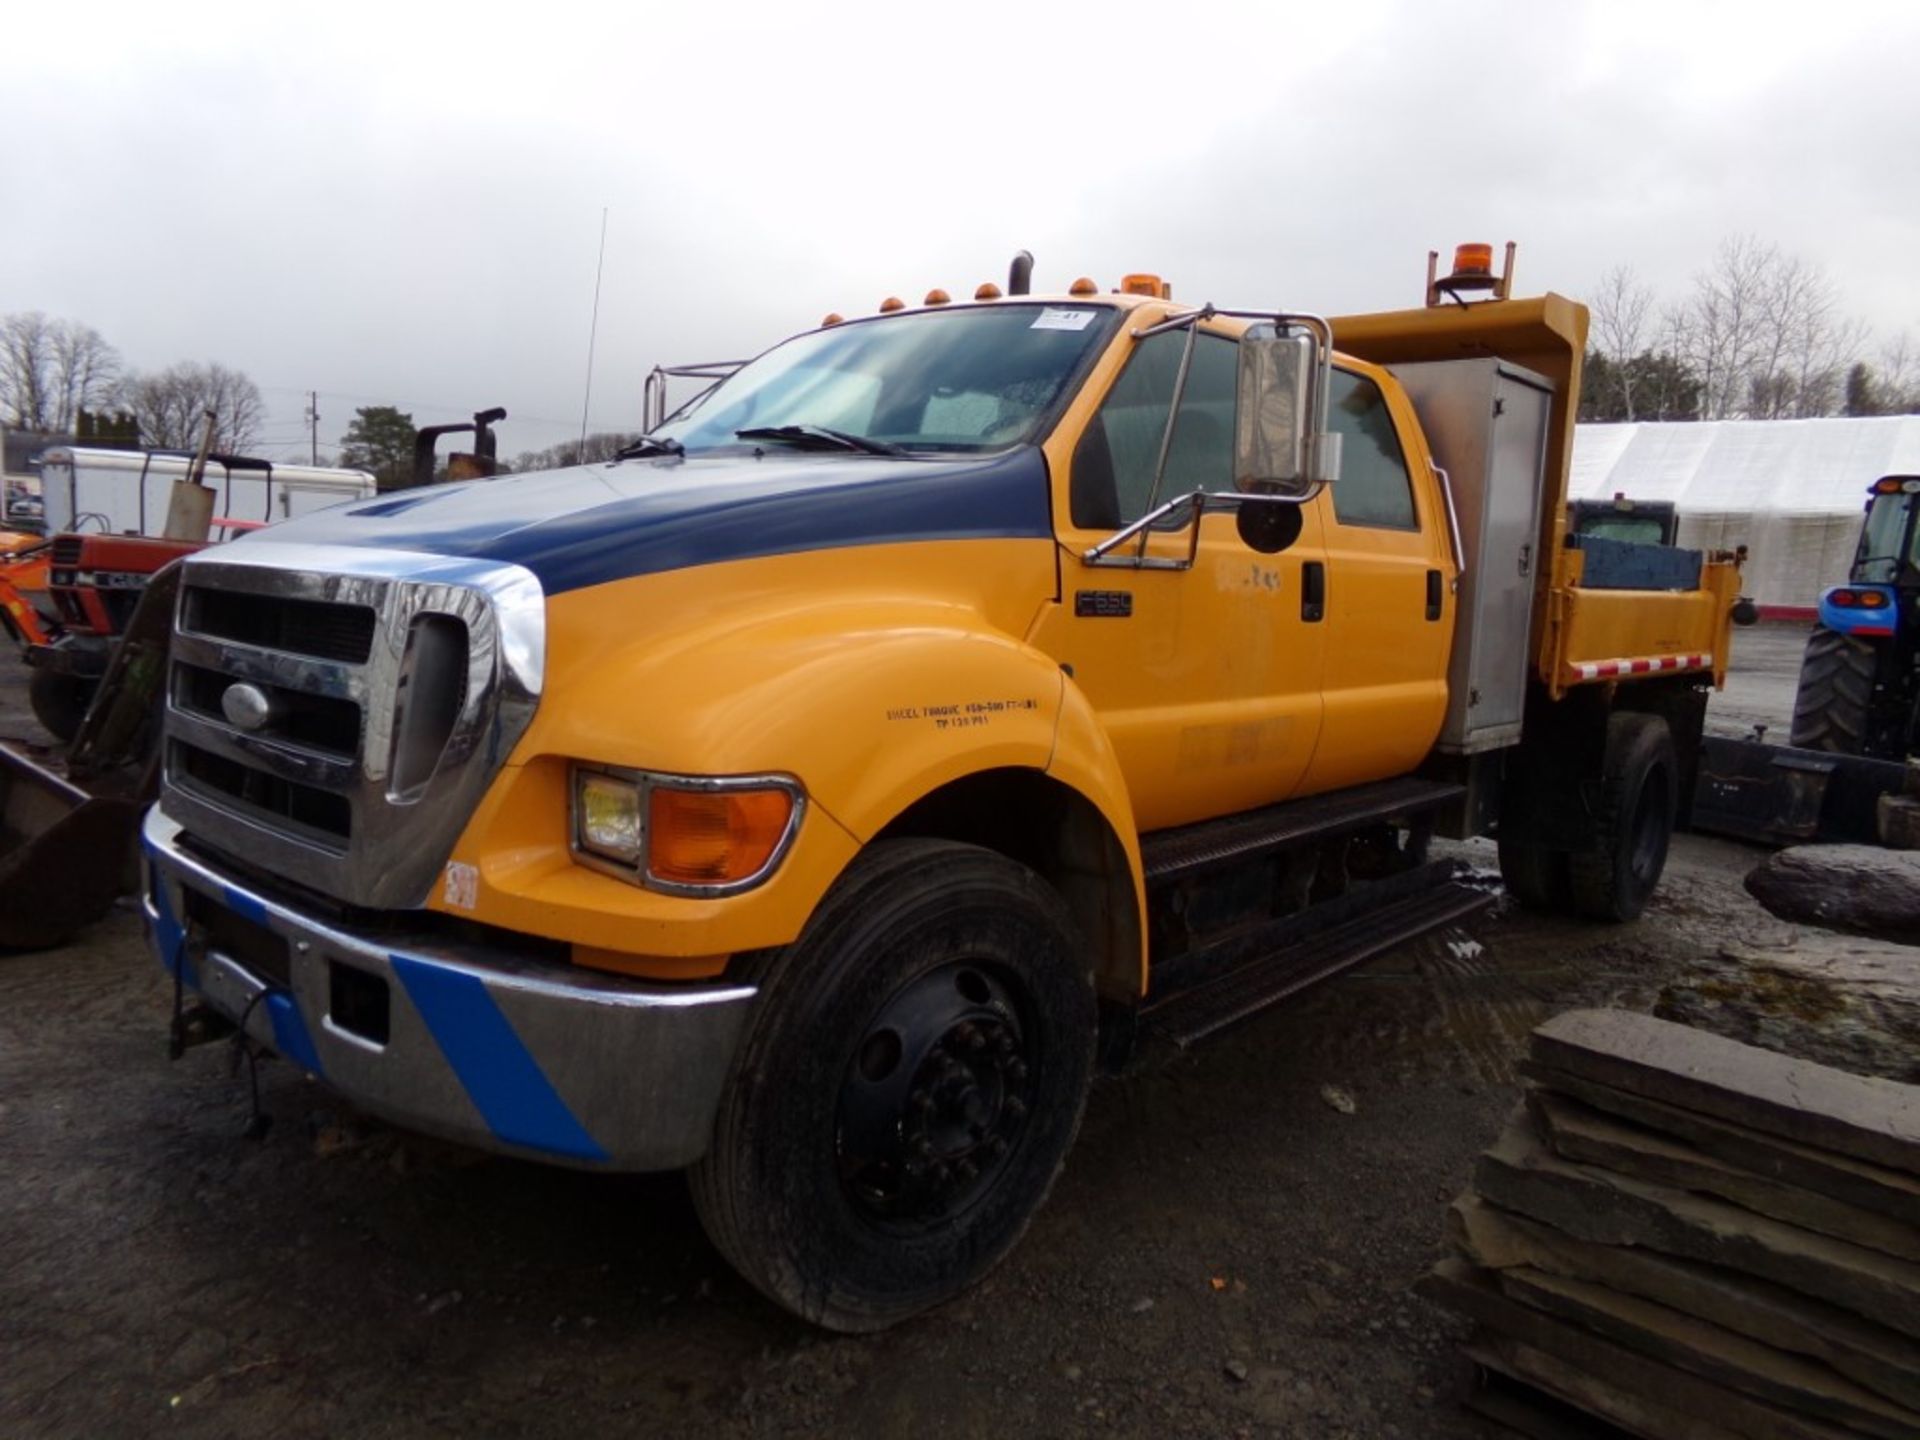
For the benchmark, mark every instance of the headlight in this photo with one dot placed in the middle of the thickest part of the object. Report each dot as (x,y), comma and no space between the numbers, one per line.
(607,816)
(684,834)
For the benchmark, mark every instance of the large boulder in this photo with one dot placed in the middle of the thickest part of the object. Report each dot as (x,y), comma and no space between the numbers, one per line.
(1861,888)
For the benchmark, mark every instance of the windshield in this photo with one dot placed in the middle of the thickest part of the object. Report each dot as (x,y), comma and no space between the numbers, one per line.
(1883,542)
(973,379)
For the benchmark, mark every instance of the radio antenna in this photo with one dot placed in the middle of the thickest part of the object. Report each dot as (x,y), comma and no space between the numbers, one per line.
(593,331)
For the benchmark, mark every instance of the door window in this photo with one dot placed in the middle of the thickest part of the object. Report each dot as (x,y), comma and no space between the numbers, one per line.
(1114,462)
(1373,488)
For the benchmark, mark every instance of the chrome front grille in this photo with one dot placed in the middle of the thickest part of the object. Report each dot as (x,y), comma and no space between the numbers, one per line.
(334,714)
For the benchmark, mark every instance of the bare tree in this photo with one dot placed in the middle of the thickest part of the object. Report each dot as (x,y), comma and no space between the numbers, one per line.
(50,370)
(1899,374)
(1723,322)
(1620,309)
(170,403)
(86,373)
(26,356)
(1766,334)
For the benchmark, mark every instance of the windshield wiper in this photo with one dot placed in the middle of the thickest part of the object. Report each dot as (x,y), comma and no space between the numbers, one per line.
(820,437)
(650,445)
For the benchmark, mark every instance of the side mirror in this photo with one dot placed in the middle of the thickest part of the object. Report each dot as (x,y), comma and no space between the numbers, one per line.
(1281,445)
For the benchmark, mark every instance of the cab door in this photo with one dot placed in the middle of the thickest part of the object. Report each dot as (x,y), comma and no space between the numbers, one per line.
(1389,581)
(1206,679)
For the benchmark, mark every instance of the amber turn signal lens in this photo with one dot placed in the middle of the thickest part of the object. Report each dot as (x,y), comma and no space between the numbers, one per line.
(714,837)
(1872,600)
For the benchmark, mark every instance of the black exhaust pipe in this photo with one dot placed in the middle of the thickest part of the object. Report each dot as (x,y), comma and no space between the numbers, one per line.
(1020,274)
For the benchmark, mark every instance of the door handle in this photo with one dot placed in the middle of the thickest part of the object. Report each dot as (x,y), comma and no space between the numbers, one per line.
(1313,591)
(1434,584)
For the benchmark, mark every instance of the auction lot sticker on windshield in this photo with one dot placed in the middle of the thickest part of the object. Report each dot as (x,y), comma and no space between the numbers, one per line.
(1052,319)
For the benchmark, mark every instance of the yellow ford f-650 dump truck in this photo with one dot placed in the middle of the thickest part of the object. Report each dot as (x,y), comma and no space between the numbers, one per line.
(815,796)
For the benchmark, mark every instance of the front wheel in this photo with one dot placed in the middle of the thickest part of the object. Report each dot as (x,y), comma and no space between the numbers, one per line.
(914,1075)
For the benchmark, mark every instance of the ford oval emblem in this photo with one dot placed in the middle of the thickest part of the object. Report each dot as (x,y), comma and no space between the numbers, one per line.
(246,706)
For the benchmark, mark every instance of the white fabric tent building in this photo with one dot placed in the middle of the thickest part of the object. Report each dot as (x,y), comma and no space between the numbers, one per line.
(1792,491)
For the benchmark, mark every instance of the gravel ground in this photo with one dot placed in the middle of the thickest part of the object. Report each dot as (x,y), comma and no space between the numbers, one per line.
(1228,1253)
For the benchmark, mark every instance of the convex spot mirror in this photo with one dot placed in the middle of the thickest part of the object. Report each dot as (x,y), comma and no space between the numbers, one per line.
(1278,448)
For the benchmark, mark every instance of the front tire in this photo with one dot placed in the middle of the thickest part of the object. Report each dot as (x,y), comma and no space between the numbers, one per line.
(913,1078)
(1834,704)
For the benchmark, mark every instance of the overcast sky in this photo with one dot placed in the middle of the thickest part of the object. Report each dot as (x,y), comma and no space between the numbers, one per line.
(391,209)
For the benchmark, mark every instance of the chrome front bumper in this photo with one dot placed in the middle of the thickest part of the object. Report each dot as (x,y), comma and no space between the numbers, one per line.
(481,1046)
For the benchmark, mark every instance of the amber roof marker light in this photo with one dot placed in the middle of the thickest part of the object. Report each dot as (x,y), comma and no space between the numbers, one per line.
(1472,270)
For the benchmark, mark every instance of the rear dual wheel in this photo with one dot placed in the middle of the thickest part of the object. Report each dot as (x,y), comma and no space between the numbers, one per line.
(914,1075)
(1632,813)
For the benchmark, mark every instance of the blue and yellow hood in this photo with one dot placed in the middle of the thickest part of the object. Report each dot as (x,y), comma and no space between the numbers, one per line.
(597,523)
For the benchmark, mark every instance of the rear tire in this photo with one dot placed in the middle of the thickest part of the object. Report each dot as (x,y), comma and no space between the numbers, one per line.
(60,701)
(1835,700)
(915,1073)
(1633,820)
(1535,876)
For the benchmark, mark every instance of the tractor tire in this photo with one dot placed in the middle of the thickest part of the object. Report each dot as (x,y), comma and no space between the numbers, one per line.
(60,701)
(913,1077)
(1835,699)
(1637,803)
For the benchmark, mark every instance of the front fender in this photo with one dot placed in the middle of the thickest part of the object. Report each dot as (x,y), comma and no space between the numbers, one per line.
(874,686)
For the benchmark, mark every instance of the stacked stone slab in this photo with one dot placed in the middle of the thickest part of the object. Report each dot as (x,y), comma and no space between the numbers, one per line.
(1687,1238)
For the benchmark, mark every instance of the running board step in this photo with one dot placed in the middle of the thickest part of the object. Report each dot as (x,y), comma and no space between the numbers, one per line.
(1244,991)
(1172,854)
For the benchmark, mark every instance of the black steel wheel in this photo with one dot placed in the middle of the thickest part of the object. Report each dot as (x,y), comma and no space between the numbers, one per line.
(1633,821)
(911,1082)
(1833,708)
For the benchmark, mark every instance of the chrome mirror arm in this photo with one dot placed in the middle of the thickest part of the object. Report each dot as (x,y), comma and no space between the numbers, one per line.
(1196,503)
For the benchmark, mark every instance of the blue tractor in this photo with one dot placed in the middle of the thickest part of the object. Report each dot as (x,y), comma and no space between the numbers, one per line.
(1860,679)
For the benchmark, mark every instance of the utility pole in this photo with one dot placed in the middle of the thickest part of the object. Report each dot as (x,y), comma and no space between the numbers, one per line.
(313,427)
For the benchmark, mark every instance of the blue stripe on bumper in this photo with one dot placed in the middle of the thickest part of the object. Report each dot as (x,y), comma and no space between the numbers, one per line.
(504,1081)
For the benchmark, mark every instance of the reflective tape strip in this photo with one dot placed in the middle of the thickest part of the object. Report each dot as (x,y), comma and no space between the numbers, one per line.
(1642,665)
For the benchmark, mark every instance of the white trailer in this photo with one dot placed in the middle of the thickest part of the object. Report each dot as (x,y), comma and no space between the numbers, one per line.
(125,492)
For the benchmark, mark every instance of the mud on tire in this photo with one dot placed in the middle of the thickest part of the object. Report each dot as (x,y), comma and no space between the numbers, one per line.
(913,1076)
